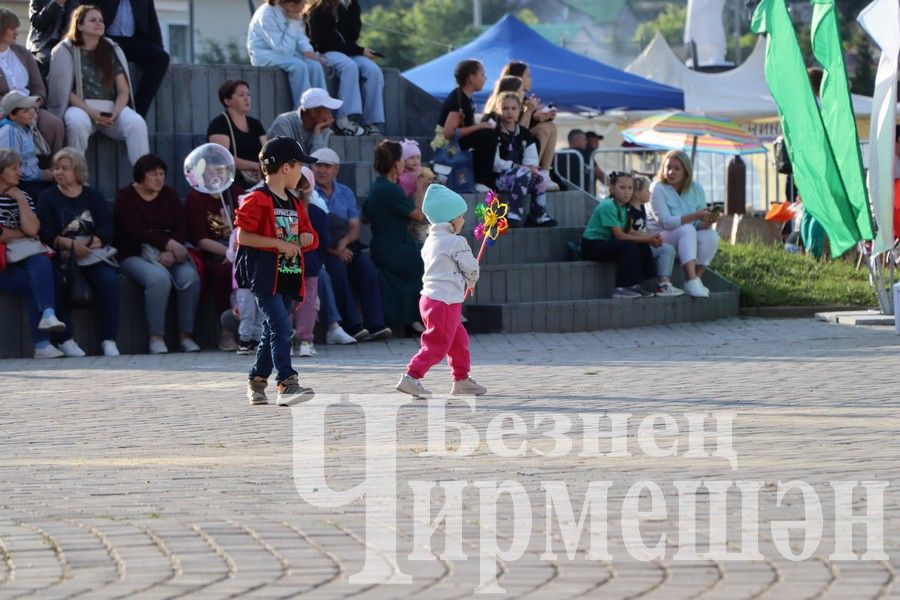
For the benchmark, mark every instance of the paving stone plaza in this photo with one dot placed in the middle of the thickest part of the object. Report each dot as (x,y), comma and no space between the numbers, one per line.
(151,477)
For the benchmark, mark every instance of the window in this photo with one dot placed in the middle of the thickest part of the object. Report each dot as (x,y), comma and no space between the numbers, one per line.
(179,43)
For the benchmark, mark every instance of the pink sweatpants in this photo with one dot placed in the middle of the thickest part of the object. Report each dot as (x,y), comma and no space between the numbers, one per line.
(444,336)
(305,312)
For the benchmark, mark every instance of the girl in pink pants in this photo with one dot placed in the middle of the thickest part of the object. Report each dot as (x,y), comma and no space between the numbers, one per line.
(450,268)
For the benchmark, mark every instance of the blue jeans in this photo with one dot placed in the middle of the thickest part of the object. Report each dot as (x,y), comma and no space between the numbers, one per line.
(31,278)
(361,87)
(362,276)
(104,281)
(303,73)
(328,309)
(157,283)
(274,350)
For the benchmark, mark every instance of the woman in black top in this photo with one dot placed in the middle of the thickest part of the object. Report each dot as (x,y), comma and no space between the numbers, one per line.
(458,113)
(243,135)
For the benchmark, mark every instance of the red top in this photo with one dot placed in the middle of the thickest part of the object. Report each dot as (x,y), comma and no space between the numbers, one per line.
(153,222)
(257,215)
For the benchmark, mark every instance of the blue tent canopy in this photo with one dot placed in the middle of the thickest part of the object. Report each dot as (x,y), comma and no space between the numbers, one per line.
(569,80)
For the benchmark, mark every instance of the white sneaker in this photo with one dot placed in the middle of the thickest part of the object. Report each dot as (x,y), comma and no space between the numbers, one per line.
(413,387)
(71,349)
(109,348)
(480,188)
(48,351)
(339,336)
(347,127)
(158,347)
(306,349)
(552,186)
(51,324)
(188,345)
(693,287)
(667,289)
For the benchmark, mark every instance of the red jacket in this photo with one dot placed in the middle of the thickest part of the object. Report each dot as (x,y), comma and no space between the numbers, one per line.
(257,268)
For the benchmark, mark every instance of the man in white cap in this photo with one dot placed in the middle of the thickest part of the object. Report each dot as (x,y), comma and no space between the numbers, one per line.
(349,268)
(16,133)
(311,123)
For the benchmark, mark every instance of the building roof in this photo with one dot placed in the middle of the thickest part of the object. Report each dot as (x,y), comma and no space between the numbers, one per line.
(600,11)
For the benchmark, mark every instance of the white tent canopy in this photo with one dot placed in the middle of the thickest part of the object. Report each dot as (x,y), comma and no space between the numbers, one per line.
(741,93)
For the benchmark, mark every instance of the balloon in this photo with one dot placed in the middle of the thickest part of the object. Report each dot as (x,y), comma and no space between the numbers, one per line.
(209,168)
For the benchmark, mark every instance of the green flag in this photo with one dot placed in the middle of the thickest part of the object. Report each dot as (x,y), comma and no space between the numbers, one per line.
(815,170)
(837,111)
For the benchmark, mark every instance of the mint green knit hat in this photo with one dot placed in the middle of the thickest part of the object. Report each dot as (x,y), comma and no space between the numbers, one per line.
(442,205)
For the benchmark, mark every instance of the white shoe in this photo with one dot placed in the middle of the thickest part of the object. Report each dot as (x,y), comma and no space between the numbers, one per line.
(347,127)
(413,387)
(667,289)
(693,287)
(48,351)
(306,349)
(51,324)
(158,347)
(552,186)
(109,348)
(188,345)
(339,336)
(71,349)
(480,188)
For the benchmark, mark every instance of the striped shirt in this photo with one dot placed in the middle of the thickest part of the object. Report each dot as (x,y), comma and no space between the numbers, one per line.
(9,212)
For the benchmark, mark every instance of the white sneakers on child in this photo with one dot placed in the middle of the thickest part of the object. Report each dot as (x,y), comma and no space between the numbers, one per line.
(48,351)
(109,348)
(306,350)
(412,386)
(51,324)
(467,387)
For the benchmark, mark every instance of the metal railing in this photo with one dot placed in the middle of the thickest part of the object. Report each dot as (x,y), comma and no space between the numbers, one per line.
(764,184)
(573,169)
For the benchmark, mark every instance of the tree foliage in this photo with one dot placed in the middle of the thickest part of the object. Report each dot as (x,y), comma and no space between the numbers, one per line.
(412,32)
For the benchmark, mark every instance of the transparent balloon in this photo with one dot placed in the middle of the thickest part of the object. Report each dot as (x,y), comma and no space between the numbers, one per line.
(209,169)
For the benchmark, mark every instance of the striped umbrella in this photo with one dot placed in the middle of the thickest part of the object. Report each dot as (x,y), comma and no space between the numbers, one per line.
(697,131)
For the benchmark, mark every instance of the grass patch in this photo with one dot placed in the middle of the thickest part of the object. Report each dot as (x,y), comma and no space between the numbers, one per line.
(769,276)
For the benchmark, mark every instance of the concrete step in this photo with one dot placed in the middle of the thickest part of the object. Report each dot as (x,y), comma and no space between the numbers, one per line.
(566,316)
(527,245)
(564,302)
(362,149)
(570,209)
(529,282)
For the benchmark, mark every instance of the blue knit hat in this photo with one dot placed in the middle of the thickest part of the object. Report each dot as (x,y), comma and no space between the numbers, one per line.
(442,205)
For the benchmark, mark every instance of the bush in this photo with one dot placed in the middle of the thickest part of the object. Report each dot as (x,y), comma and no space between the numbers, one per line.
(769,276)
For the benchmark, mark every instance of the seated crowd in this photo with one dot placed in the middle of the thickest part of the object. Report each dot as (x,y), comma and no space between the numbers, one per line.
(55,226)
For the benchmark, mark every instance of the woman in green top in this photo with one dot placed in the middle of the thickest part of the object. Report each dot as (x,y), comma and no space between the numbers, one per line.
(394,251)
(90,87)
(607,238)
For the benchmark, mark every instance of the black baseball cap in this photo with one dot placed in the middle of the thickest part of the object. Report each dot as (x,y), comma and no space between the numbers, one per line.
(282,150)
(593,134)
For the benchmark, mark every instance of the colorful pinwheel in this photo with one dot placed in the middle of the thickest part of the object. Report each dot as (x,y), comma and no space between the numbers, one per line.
(492,216)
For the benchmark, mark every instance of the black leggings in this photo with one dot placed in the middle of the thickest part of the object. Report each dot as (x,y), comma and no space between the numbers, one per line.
(635,261)
(484,146)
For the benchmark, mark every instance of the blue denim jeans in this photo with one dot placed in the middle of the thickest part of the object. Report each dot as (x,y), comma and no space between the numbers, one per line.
(274,350)
(32,279)
(361,87)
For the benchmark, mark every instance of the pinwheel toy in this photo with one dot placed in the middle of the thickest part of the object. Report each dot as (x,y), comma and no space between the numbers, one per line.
(492,224)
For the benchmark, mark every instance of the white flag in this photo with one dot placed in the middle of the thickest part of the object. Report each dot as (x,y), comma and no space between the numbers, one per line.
(881,20)
(704,27)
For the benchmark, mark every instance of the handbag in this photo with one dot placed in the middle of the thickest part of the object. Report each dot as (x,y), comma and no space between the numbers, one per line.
(456,165)
(22,248)
(250,176)
(151,253)
(75,285)
(103,253)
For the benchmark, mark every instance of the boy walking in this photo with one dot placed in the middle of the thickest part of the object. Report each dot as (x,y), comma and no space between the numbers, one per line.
(273,228)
